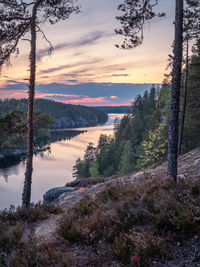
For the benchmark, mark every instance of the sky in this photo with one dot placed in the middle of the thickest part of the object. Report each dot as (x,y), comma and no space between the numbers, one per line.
(85,67)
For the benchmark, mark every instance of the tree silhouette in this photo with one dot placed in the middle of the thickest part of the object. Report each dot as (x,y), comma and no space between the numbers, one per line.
(17,18)
(191,31)
(136,14)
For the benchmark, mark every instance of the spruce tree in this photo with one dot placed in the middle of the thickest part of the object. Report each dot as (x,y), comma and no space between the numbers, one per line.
(191,32)
(135,14)
(191,136)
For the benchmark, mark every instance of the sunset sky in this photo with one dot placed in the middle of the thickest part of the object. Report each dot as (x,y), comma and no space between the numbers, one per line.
(85,66)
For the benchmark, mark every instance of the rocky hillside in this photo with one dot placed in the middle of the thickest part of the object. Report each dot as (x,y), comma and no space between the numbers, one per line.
(141,230)
(141,219)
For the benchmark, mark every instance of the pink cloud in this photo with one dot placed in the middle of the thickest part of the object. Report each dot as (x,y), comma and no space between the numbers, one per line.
(98,101)
(41,95)
(86,100)
(13,94)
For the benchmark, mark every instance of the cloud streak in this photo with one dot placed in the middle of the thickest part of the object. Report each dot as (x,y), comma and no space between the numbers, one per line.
(84,93)
(90,39)
(70,66)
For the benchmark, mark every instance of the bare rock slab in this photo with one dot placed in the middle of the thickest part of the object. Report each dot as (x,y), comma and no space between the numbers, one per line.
(52,194)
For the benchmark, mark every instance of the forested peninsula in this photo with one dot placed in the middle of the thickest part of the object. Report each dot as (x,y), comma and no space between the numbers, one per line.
(64,115)
(48,115)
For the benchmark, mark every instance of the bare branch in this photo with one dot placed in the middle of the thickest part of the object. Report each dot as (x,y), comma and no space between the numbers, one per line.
(26,40)
(44,36)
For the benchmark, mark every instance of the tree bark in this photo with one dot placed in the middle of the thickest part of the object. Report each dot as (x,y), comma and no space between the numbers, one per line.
(26,196)
(175,99)
(184,98)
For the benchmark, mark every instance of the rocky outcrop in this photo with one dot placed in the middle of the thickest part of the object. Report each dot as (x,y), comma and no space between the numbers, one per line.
(183,253)
(67,122)
(52,194)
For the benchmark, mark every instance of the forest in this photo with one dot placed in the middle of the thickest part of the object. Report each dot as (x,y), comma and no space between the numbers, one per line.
(139,206)
(13,121)
(140,139)
(114,109)
(55,109)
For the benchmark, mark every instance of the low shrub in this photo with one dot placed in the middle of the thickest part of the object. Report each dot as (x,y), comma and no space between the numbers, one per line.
(12,251)
(87,182)
(10,237)
(146,244)
(29,214)
(29,254)
(111,193)
(137,218)
(142,244)
(123,247)
(69,226)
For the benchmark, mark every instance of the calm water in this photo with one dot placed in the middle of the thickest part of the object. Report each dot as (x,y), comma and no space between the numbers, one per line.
(51,168)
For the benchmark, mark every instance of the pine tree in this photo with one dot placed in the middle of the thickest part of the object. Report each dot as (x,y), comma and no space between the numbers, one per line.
(175,99)
(136,14)
(191,137)
(191,32)
(125,165)
(94,169)
(16,19)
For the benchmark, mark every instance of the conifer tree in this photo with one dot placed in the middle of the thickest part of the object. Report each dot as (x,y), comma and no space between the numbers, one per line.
(125,165)
(191,136)
(17,18)
(136,14)
(191,32)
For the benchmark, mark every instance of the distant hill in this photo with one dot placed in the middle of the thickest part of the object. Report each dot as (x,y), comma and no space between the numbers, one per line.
(65,115)
(115,109)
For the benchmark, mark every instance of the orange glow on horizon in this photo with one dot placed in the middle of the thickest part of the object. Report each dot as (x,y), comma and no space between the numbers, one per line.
(85,52)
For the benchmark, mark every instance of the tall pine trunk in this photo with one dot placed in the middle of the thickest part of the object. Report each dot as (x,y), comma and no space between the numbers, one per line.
(175,99)
(184,98)
(26,196)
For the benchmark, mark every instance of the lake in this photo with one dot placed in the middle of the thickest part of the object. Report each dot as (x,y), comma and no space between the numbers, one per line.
(52,168)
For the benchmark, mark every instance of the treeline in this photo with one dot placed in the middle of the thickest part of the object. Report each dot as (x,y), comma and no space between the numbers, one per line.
(55,109)
(141,138)
(13,120)
(113,109)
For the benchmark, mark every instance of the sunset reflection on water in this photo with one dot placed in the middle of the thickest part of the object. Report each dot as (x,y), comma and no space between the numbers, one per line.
(51,168)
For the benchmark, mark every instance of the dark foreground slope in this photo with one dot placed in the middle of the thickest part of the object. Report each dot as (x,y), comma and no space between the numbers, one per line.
(65,115)
(140,219)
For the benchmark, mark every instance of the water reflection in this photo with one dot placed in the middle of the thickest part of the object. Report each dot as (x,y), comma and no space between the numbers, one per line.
(10,161)
(62,135)
(6,172)
(43,143)
(52,167)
